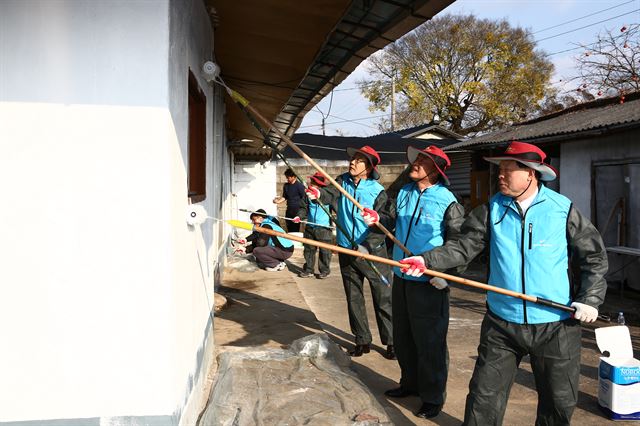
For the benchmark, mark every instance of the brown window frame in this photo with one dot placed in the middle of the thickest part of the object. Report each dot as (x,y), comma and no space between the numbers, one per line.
(197,142)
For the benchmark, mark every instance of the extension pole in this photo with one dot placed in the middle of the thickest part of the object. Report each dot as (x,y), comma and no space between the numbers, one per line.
(289,219)
(373,258)
(244,102)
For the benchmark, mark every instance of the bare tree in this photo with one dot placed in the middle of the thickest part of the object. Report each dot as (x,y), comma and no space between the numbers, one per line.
(611,65)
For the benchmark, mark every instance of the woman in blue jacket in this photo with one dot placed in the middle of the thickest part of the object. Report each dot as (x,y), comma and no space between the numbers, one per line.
(361,181)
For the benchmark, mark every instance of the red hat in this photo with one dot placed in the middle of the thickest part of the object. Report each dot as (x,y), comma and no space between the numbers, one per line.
(319,179)
(431,151)
(372,156)
(529,155)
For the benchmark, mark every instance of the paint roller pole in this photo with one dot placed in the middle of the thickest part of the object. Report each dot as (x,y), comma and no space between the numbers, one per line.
(245,103)
(373,258)
(290,219)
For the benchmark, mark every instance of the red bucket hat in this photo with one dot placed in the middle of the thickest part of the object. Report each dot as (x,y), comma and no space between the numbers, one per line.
(319,179)
(372,156)
(431,151)
(529,155)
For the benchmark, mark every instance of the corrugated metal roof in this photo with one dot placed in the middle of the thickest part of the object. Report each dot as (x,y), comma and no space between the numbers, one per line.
(588,117)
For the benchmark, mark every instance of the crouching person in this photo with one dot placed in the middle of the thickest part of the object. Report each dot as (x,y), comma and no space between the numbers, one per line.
(270,251)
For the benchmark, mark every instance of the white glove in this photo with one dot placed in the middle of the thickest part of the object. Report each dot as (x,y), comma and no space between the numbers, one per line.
(438,283)
(313,193)
(415,265)
(370,216)
(584,313)
(362,249)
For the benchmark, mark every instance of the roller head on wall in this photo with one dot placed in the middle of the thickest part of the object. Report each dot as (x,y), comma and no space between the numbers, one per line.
(196,215)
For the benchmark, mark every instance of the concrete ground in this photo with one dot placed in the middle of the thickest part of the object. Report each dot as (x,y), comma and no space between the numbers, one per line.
(272,309)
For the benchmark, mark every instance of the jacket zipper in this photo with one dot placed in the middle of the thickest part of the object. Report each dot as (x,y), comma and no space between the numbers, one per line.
(353,210)
(522,223)
(524,289)
(413,215)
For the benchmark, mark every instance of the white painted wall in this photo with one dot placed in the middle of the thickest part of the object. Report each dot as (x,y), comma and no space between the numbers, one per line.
(255,188)
(104,308)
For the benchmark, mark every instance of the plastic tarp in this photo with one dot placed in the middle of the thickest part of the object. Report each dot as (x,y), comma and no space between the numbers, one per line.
(309,383)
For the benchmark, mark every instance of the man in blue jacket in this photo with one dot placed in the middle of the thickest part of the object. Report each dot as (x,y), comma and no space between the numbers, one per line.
(531,233)
(424,215)
(361,181)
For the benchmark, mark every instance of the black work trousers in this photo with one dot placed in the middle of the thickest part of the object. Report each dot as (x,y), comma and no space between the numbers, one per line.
(554,350)
(354,271)
(420,324)
(321,234)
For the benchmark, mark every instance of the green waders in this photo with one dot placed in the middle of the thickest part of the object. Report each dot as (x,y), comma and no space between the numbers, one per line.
(420,324)
(554,350)
(321,234)
(354,271)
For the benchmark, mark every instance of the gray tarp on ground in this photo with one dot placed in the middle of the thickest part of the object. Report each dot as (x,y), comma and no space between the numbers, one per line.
(308,384)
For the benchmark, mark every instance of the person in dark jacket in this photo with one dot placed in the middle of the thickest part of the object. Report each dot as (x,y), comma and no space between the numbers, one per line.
(319,230)
(531,232)
(293,194)
(424,215)
(361,182)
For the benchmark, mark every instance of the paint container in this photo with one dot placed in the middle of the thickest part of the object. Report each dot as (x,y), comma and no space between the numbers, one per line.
(618,374)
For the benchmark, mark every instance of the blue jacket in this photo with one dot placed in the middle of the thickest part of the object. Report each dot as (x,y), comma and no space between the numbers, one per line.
(349,218)
(317,215)
(283,242)
(420,221)
(529,254)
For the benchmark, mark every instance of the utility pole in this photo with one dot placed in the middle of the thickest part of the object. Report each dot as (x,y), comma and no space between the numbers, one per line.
(323,134)
(393,101)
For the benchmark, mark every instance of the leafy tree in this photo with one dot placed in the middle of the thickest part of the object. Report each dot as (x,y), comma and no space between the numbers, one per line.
(469,74)
(611,65)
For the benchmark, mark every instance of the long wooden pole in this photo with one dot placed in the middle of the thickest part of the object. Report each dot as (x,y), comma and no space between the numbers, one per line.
(373,258)
(267,124)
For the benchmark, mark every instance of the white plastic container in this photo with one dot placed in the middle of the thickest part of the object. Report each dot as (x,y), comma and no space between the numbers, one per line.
(618,374)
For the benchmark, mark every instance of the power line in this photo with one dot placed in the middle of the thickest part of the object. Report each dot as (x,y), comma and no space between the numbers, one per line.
(587,26)
(582,17)
(353,120)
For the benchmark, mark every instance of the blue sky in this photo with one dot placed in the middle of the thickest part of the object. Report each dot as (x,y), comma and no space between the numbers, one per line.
(349,110)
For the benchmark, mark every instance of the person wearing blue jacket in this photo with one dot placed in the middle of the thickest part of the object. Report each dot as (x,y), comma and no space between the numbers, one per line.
(270,251)
(319,229)
(361,181)
(532,234)
(424,215)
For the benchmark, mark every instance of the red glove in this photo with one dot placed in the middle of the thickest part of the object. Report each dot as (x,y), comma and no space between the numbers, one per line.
(370,216)
(313,193)
(297,219)
(415,266)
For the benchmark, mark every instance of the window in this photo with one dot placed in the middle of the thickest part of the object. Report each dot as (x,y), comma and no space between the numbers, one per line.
(197,143)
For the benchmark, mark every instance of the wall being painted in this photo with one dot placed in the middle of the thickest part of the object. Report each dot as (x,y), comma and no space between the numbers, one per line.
(255,188)
(104,314)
